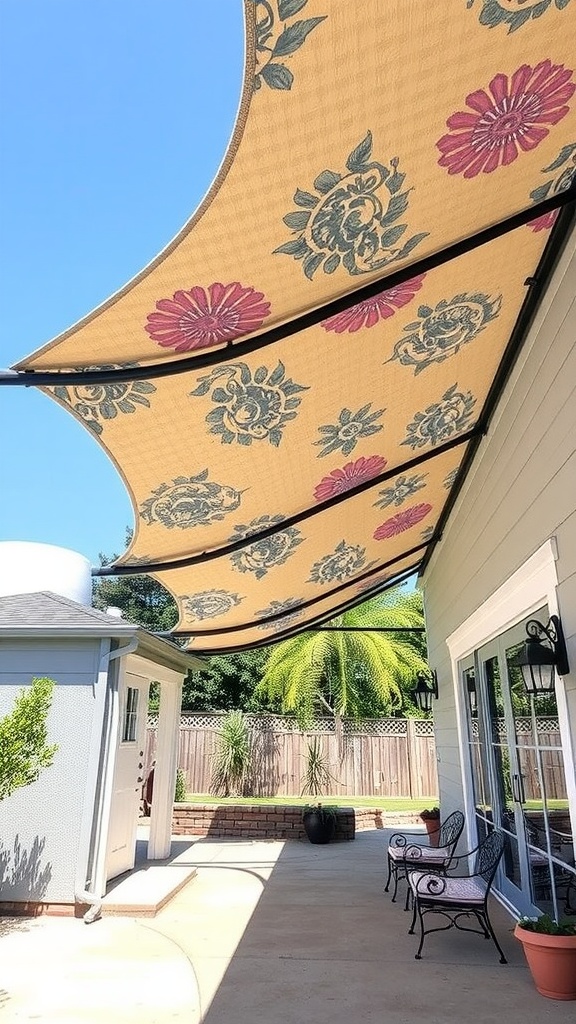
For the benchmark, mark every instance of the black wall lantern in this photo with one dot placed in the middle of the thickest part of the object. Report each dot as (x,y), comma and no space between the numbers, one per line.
(544,651)
(425,690)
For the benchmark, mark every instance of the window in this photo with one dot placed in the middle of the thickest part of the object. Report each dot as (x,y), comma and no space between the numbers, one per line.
(130,715)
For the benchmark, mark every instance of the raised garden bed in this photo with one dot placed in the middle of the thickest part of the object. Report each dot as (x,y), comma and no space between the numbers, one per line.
(275,821)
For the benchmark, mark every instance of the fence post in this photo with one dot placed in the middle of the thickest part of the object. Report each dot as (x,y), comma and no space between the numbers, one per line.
(410,753)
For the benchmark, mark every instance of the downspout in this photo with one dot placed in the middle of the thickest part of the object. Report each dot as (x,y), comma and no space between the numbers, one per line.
(91,882)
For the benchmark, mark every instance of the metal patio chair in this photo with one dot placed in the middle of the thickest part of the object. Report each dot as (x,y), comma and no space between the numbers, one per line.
(405,852)
(456,897)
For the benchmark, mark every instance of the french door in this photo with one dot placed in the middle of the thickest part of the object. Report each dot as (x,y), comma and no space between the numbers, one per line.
(517,770)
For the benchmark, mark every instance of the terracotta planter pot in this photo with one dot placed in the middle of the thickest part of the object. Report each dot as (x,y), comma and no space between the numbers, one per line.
(552,962)
(433,830)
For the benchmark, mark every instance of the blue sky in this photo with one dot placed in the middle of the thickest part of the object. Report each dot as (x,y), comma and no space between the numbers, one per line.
(114,118)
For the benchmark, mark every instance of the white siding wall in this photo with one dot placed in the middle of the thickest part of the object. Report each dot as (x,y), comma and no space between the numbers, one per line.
(520,492)
(40,824)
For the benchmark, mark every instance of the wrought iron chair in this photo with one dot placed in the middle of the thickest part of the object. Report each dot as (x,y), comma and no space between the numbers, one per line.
(405,852)
(464,896)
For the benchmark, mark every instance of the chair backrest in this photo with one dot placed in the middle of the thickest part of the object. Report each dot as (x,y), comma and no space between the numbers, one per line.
(451,830)
(488,855)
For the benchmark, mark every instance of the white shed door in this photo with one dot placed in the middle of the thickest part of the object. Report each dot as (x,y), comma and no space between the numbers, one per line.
(128,774)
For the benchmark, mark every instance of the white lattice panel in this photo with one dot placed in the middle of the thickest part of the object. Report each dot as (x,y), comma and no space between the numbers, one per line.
(423,727)
(279,723)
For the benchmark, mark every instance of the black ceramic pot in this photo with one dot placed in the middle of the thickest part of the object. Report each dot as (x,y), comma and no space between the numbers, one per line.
(319,826)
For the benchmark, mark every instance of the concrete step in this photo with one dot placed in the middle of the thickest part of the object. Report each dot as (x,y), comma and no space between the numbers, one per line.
(144,892)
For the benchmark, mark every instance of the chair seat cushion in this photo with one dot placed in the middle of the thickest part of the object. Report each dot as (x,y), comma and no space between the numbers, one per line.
(420,854)
(456,890)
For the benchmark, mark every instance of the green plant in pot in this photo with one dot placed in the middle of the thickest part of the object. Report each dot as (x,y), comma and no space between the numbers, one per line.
(431,819)
(550,951)
(319,820)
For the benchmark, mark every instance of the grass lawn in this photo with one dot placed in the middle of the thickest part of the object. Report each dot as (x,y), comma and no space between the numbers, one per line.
(386,803)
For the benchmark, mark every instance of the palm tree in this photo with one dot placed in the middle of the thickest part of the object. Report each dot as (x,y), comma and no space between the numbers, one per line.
(353,674)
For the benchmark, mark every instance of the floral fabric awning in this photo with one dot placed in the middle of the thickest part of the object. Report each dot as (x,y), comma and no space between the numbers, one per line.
(285,460)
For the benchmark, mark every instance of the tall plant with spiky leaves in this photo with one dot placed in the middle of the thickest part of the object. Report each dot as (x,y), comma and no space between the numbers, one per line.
(232,757)
(351,674)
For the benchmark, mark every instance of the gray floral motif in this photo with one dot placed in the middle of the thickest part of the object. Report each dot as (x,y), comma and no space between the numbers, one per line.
(441,331)
(210,604)
(513,13)
(289,611)
(450,478)
(347,432)
(279,40)
(351,217)
(442,420)
(402,488)
(427,533)
(564,168)
(250,406)
(268,552)
(96,402)
(189,501)
(345,561)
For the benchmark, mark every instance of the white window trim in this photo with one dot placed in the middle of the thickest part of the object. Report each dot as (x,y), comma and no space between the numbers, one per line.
(531,586)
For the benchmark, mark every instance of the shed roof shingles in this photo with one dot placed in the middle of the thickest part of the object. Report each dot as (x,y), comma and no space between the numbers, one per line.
(48,609)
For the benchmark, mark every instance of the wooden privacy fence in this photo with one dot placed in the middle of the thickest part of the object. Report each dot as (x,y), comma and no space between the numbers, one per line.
(379,757)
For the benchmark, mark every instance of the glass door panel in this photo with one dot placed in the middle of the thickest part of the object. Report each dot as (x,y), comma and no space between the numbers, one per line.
(517,769)
(504,775)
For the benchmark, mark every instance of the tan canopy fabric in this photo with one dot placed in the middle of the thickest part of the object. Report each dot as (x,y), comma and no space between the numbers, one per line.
(278,478)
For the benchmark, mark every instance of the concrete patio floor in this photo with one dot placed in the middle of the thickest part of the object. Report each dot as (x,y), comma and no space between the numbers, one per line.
(266,933)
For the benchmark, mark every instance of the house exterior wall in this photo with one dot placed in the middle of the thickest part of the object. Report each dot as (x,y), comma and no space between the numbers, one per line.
(520,493)
(40,824)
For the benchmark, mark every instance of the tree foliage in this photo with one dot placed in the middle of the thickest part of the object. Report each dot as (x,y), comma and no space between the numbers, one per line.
(141,598)
(228,681)
(354,674)
(23,734)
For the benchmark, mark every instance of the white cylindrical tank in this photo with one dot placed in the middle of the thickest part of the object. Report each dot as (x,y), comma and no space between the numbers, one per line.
(27,568)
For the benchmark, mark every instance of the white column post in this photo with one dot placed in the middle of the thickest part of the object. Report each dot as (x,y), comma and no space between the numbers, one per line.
(165,769)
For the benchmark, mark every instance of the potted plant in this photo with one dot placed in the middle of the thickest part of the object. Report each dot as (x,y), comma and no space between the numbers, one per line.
(431,818)
(319,822)
(550,950)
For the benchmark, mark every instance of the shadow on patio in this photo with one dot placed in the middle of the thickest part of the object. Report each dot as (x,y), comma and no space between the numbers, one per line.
(284,933)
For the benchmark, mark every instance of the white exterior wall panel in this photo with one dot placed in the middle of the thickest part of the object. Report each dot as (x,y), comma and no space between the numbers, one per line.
(520,492)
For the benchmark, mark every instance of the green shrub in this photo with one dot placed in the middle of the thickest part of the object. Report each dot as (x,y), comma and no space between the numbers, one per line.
(180,789)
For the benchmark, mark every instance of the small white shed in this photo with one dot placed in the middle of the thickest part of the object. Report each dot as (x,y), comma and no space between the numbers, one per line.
(66,835)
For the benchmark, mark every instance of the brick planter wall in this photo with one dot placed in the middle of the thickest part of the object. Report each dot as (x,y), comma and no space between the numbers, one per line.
(275,821)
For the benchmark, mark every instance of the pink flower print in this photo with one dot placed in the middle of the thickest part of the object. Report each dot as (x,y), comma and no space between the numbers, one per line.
(352,474)
(547,220)
(402,521)
(371,311)
(200,318)
(515,115)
